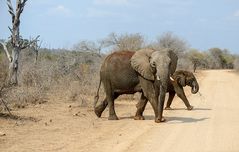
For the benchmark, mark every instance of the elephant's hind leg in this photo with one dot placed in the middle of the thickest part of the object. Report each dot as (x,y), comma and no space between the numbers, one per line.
(110,97)
(112,113)
(101,107)
(140,108)
(170,99)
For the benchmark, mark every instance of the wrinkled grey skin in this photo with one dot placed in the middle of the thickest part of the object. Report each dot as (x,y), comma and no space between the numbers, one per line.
(180,79)
(145,71)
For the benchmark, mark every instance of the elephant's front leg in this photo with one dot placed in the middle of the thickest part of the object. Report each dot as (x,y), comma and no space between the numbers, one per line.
(140,107)
(150,93)
(181,94)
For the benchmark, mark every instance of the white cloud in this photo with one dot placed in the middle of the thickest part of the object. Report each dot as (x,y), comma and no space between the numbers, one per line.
(111,2)
(236,14)
(60,10)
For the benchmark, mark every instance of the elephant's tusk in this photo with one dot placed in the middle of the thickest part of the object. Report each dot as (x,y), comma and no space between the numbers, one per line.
(158,78)
(171,78)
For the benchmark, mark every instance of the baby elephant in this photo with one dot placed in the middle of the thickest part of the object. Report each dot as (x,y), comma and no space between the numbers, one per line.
(180,79)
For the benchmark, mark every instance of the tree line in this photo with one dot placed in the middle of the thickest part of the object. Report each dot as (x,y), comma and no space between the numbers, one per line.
(213,58)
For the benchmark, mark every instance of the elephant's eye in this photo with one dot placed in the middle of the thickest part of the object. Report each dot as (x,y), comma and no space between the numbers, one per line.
(153,64)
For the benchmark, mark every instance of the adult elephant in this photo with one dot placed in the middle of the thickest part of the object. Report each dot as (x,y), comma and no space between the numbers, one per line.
(179,80)
(127,72)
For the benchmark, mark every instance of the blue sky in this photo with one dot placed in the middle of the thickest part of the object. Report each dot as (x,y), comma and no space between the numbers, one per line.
(61,23)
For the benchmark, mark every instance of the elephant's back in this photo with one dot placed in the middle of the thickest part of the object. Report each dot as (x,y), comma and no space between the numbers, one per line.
(119,55)
(117,69)
(117,60)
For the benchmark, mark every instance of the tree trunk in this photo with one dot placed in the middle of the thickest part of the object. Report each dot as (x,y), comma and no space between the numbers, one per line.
(194,67)
(13,67)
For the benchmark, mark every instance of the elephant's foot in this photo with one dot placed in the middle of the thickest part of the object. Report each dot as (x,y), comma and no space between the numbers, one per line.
(190,108)
(100,108)
(113,117)
(98,111)
(168,108)
(158,120)
(138,117)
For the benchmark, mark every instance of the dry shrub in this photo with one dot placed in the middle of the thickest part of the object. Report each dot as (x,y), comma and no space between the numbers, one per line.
(184,64)
(34,82)
(81,84)
(3,69)
(71,76)
(19,97)
(236,63)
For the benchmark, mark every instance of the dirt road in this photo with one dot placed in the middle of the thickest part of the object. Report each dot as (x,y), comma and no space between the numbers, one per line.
(212,126)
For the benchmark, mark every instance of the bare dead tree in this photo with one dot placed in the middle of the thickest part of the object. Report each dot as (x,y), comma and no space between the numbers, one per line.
(169,40)
(89,46)
(131,42)
(16,41)
(35,47)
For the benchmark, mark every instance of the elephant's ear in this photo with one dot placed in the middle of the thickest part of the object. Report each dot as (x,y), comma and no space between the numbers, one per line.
(180,78)
(140,63)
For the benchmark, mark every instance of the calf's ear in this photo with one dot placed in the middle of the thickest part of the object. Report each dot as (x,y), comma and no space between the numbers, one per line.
(180,79)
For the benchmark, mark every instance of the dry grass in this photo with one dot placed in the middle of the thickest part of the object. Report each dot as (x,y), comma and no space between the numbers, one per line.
(72,76)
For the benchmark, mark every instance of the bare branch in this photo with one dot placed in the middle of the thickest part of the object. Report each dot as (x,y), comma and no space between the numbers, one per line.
(30,42)
(169,40)
(4,103)
(36,48)
(124,41)
(11,11)
(6,51)
(23,5)
(39,46)
(10,29)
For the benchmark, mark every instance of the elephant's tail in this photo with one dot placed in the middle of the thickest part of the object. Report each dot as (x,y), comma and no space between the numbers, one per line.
(97,95)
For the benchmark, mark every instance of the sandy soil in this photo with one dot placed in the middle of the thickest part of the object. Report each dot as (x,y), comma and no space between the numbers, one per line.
(58,125)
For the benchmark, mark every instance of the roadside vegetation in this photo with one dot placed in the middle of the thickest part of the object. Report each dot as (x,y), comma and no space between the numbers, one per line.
(73,74)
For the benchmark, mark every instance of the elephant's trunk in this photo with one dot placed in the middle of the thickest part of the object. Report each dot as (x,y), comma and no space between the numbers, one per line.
(164,78)
(195,87)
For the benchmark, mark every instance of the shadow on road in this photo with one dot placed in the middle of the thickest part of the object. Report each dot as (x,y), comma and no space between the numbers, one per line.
(178,119)
(184,119)
(194,109)
(168,119)
(202,109)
